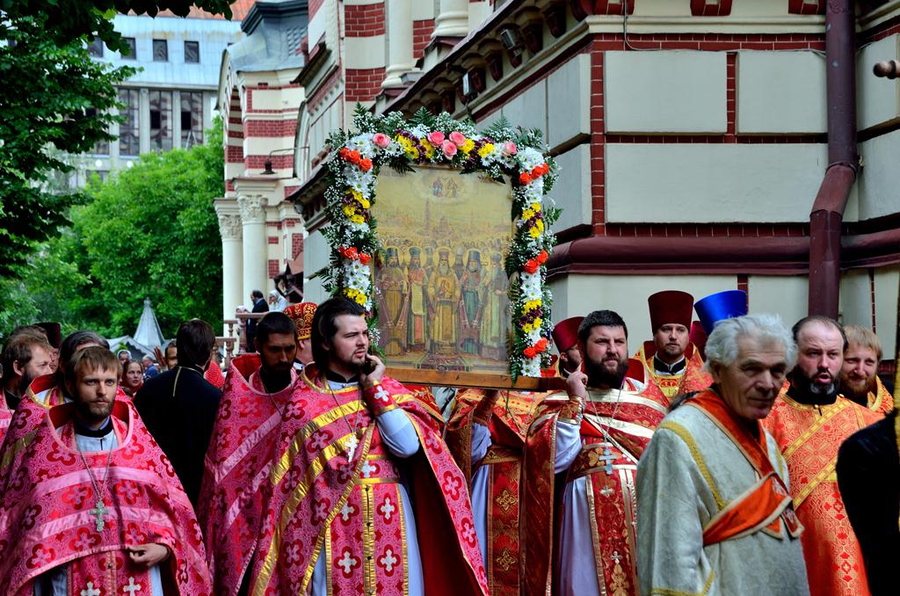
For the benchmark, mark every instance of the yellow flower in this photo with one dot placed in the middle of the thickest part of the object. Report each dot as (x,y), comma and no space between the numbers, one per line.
(534,232)
(539,224)
(527,214)
(349,211)
(532,304)
(467,146)
(536,207)
(357,219)
(360,298)
(485,150)
(429,148)
(537,324)
(528,327)
(413,152)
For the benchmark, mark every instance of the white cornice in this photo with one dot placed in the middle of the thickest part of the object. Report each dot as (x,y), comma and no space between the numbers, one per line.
(708,25)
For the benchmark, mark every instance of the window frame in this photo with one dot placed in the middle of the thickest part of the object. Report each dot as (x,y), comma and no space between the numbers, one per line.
(165,44)
(195,43)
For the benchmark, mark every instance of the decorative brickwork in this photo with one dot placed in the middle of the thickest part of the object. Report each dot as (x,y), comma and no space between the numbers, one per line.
(364,21)
(273,268)
(363,84)
(421,36)
(271,128)
(296,245)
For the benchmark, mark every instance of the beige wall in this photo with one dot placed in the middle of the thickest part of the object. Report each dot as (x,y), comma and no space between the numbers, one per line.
(887,283)
(667,91)
(569,96)
(878,99)
(712,182)
(315,258)
(572,191)
(878,192)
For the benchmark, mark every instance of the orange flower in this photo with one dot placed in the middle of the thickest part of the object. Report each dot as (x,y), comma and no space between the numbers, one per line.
(350,253)
(529,352)
(542,258)
(545,169)
(354,156)
(524,178)
(365,164)
(537,172)
(541,345)
(530,266)
(344,152)
(364,258)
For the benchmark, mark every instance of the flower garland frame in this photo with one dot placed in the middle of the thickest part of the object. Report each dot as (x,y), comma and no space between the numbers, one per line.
(508,155)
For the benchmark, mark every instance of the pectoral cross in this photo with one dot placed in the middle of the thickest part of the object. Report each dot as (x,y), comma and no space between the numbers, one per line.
(350,444)
(99,512)
(608,457)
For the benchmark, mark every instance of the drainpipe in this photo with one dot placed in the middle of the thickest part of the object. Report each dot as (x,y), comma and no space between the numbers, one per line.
(827,214)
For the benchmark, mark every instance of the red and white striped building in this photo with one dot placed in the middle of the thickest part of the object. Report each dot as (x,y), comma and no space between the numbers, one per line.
(692,135)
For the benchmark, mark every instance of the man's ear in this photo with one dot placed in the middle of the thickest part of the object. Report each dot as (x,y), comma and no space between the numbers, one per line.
(18,369)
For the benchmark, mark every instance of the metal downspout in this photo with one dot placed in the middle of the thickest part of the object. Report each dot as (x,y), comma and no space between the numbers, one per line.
(827,214)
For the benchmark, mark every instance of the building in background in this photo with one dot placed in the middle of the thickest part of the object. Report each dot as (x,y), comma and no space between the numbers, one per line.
(692,136)
(170,101)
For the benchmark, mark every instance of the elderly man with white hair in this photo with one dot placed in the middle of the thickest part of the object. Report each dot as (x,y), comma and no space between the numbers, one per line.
(715,514)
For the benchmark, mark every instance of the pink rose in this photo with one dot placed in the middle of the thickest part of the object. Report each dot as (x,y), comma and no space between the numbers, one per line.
(449,149)
(458,138)
(436,138)
(509,148)
(381,139)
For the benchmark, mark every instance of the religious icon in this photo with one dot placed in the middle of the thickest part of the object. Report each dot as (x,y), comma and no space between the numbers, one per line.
(441,288)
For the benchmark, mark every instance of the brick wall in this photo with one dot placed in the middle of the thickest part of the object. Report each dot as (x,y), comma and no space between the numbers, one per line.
(271,128)
(421,36)
(363,84)
(274,269)
(364,21)
(296,245)
(234,154)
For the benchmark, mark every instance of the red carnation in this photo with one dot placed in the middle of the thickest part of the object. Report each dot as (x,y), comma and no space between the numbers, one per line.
(541,345)
(343,152)
(524,178)
(537,172)
(365,164)
(529,352)
(545,169)
(531,266)
(355,156)
(542,258)
(364,258)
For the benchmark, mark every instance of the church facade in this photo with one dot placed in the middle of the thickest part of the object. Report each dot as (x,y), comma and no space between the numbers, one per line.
(692,136)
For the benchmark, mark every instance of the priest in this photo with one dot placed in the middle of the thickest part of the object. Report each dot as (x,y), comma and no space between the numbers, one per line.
(809,422)
(592,437)
(93,506)
(715,515)
(302,316)
(486,434)
(673,361)
(859,373)
(565,338)
(308,477)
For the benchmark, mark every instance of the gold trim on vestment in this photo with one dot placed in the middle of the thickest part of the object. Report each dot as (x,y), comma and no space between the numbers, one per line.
(622,425)
(689,442)
(283,466)
(595,537)
(668,592)
(368,539)
(629,498)
(16,447)
(826,413)
(823,475)
(329,578)
(371,481)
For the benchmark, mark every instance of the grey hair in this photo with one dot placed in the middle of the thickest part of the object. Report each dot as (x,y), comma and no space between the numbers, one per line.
(722,347)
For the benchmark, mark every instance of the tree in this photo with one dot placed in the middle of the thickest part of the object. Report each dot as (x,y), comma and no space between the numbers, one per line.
(55,99)
(149,232)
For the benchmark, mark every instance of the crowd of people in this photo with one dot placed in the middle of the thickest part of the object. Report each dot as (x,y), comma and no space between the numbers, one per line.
(729,455)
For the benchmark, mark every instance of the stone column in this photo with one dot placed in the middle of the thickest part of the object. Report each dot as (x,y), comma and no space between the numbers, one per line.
(400,42)
(255,253)
(453,20)
(478,11)
(232,260)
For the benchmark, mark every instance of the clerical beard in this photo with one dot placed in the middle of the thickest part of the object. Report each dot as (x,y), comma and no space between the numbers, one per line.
(859,390)
(601,377)
(806,386)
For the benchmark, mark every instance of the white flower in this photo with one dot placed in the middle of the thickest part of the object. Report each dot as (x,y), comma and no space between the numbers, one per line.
(531,367)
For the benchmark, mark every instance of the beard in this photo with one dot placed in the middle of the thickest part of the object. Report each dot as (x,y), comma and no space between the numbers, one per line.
(857,388)
(601,377)
(806,385)
(93,412)
(444,269)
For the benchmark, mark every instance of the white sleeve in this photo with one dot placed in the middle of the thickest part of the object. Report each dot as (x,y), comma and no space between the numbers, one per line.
(568,443)
(398,433)
(481,440)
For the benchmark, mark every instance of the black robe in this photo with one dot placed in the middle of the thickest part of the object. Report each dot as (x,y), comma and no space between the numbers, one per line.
(179,409)
(868,470)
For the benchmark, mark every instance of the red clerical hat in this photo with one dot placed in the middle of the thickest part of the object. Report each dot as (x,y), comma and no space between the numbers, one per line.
(302,316)
(565,334)
(671,307)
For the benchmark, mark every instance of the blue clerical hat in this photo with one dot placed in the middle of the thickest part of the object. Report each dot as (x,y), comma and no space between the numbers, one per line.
(720,306)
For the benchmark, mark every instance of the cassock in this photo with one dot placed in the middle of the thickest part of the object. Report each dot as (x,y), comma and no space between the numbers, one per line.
(591,545)
(58,537)
(715,514)
(491,456)
(809,437)
(308,492)
(675,379)
(868,470)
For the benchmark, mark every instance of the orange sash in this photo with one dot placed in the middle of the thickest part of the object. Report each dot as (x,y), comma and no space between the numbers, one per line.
(768,503)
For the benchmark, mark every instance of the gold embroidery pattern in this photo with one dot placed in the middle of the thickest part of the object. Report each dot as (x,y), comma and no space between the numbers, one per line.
(619,579)
(506,500)
(505,560)
(685,436)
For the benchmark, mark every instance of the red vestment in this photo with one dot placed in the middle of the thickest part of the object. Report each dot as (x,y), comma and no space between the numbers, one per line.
(629,418)
(511,417)
(693,378)
(48,495)
(281,490)
(809,438)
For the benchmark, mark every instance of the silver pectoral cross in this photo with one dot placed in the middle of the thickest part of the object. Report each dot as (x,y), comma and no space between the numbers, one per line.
(350,444)
(99,512)
(608,457)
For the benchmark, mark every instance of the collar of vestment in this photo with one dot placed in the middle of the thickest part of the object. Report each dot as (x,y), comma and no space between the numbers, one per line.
(333,376)
(663,368)
(85,431)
